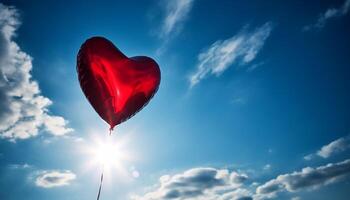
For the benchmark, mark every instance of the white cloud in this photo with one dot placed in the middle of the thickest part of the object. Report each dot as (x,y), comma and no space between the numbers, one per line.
(223,184)
(309,157)
(238,178)
(329,14)
(20,166)
(200,183)
(49,179)
(134,172)
(239,100)
(23,110)
(239,49)
(336,146)
(267,167)
(307,178)
(254,66)
(176,13)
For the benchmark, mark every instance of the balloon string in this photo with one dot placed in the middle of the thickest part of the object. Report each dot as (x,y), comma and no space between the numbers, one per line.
(99,190)
(101,180)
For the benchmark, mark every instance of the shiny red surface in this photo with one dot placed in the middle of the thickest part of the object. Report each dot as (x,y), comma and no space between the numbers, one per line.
(116,86)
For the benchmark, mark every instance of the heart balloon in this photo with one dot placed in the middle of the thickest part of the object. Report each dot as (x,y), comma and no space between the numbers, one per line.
(116,86)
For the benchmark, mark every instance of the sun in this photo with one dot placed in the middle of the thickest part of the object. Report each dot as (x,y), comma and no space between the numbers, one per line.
(109,152)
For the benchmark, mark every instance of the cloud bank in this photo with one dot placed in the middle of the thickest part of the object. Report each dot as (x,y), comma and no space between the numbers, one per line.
(23,110)
(224,184)
(50,179)
(307,178)
(239,49)
(200,183)
(329,14)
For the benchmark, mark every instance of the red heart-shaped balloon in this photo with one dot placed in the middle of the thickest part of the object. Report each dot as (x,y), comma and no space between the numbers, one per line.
(116,86)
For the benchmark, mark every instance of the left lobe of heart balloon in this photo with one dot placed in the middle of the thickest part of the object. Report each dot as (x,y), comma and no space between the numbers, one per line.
(116,86)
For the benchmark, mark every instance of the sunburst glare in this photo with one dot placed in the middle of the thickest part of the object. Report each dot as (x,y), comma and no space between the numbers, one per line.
(109,153)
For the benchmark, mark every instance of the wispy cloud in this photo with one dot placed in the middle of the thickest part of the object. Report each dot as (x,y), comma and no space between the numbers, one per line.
(20,166)
(267,167)
(23,110)
(254,66)
(309,157)
(239,49)
(336,146)
(176,14)
(50,179)
(239,100)
(329,14)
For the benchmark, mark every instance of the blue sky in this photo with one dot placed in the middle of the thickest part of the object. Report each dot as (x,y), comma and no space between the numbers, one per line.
(253,102)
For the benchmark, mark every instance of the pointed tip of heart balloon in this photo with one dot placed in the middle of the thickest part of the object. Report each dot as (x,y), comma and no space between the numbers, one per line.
(110,130)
